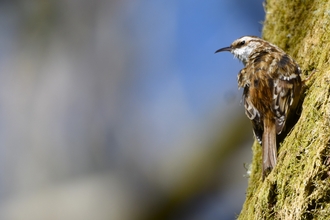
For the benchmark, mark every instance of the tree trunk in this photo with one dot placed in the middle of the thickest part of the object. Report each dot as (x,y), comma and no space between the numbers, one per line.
(299,185)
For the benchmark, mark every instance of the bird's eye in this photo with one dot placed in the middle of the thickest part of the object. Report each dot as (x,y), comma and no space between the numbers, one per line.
(242,43)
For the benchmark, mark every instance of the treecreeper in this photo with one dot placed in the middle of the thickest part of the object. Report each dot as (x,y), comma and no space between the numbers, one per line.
(272,86)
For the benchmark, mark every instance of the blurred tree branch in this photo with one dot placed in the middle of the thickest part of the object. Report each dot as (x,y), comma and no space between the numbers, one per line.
(299,186)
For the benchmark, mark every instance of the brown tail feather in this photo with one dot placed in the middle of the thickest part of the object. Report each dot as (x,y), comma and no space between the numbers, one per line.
(269,149)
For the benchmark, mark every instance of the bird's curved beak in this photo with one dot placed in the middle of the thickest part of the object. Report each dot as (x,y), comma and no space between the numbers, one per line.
(224,49)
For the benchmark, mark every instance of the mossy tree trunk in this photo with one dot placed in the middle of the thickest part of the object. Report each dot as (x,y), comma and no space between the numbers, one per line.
(299,186)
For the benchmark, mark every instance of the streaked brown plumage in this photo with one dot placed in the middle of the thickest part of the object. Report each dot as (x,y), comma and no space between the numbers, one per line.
(272,88)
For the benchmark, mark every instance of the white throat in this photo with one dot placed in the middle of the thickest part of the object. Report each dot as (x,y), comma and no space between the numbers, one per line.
(244,52)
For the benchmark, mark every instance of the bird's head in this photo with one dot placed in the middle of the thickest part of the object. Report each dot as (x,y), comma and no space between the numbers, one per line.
(243,47)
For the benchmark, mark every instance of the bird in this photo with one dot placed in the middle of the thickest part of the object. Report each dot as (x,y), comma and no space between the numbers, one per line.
(272,86)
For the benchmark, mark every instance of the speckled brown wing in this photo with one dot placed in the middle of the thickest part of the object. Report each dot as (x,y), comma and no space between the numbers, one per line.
(287,89)
(273,76)
(253,114)
(244,81)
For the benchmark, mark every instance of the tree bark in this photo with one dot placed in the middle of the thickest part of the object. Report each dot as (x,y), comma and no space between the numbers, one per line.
(299,185)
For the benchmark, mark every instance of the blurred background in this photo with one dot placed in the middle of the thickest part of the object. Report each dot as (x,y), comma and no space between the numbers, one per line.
(121,110)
